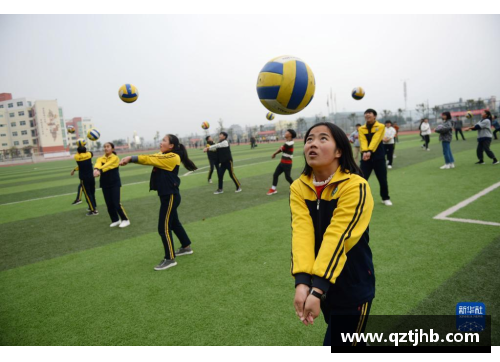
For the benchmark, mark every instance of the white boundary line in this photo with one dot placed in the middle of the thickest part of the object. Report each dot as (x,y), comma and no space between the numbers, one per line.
(444,215)
(134,183)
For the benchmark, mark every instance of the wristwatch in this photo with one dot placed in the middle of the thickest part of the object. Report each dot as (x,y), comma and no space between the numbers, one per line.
(316,294)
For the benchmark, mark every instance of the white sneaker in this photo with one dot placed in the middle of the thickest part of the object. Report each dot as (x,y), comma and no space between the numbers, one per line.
(428,149)
(394,156)
(125,223)
(387,202)
(389,166)
(445,167)
(387,162)
(452,165)
(115,224)
(239,189)
(210,181)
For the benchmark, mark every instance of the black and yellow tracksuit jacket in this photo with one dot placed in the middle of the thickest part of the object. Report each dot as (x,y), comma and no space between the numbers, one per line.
(370,140)
(84,168)
(165,175)
(330,238)
(110,174)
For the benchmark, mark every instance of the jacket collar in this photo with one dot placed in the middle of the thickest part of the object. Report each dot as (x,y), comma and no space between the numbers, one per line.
(338,177)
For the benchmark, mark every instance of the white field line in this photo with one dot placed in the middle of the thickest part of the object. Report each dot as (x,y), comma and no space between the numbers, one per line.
(130,184)
(444,215)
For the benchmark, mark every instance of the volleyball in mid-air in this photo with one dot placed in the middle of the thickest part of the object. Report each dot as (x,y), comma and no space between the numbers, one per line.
(70,129)
(270,116)
(286,85)
(93,134)
(81,142)
(205,125)
(358,93)
(469,115)
(128,93)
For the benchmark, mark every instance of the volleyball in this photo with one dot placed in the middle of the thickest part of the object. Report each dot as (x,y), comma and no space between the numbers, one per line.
(286,85)
(358,93)
(205,125)
(70,129)
(93,134)
(469,115)
(81,142)
(270,116)
(128,93)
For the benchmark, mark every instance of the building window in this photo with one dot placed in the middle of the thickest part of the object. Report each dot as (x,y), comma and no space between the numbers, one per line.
(35,141)
(10,105)
(21,113)
(3,135)
(33,133)
(22,123)
(1,105)
(19,104)
(16,143)
(29,104)
(13,124)
(14,134)
(2,125)
(26,142)
(12,114)
(32,124)
(24,133)
(4,144)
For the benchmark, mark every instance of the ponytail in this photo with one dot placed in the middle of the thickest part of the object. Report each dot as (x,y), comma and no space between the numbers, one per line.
(182,152)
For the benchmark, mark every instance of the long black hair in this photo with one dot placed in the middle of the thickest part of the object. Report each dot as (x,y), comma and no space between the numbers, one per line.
(182,152)
(447,115)
(488,114)
(346,161)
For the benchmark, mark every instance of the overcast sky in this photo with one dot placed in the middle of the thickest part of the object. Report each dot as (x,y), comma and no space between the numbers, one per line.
(191,69)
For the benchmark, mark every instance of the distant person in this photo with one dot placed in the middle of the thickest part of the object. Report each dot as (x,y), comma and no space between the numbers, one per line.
(457,125)
(373,153)
(445,131)
(252,142)
(107,168)
(354,139)
(388,140)
(285,164)
(212,159)
(396,138)
(420,130)
(86,175)
(425,130)
(225,160)
(484,137)
(496,126)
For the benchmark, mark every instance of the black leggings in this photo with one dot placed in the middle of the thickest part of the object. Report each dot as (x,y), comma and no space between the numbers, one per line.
(213,164)
(88,187)
(115,208)
(282,167)
(389,151)
(227,166)
(427,140)
(459,130)
(495,133)
(168,222)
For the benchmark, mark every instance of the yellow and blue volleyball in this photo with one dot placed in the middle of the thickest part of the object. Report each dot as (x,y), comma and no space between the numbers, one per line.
(358,93)
(128,93)
(469,115)
(270,116)
(93,134)
(286,85)
(70,129)
(81,142)
(205,125)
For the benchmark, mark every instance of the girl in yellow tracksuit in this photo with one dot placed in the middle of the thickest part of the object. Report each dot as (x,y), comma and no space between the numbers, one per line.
(331,205)
(106,167)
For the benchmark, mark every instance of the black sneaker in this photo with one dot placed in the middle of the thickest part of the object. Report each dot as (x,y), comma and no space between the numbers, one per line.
(76,202)
(479,163)
(92,213)
(165,264)
(184,251)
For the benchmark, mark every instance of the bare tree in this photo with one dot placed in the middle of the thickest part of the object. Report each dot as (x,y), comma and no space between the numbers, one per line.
(221,125)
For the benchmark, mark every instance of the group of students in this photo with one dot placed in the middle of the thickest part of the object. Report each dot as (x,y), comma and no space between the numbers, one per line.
(106,167)
(484,138)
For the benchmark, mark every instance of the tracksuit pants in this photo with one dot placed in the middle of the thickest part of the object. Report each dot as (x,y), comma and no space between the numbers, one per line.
(345,320)
(115,208)
(168,222)
(213,164)
(79,192)
(484,146)
(457,131)
(389,151)
(88,187)
(282,167)
(380,171)
(227,166)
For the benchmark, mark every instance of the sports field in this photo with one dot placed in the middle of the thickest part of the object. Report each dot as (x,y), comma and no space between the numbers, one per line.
(68,279)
